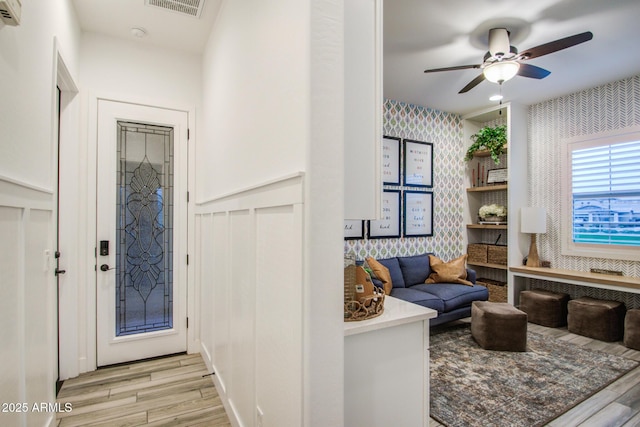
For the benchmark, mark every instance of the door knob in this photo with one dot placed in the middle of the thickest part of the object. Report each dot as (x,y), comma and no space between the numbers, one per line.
(105,267)
(57,271)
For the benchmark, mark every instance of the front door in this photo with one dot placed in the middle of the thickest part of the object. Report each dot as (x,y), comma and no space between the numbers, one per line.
(141,229)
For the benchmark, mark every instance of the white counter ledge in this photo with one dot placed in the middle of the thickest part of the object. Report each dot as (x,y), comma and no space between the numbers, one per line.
(396,312)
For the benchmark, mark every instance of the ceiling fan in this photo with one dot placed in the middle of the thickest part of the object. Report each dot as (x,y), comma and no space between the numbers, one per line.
(502,62)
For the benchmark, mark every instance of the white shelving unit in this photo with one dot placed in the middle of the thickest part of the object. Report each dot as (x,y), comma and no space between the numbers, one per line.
(513,194)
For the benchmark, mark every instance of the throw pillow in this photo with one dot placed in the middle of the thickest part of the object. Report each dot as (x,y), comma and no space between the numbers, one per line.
(382,273)
(453,271)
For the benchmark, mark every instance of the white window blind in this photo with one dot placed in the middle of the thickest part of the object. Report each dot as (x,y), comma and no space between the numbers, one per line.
(606,194)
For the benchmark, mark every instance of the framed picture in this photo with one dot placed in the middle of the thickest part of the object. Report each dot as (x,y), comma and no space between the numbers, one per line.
(353,229)
(497,176)
(389,225)
(390,160)
(418,163)
(418,214)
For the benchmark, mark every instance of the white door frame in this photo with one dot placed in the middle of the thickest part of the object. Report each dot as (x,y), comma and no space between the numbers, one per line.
(87,312)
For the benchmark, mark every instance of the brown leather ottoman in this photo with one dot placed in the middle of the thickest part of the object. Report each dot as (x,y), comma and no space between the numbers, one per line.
(498,326)
(632,329)
(545,308)
(599,319)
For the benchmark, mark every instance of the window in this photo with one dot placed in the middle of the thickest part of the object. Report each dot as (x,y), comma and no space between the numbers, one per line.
(603,199)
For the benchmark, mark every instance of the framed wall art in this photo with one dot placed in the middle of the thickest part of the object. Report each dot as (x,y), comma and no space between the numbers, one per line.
(389,225)
(353,229)
(418,164)
(418,214)
(390,160)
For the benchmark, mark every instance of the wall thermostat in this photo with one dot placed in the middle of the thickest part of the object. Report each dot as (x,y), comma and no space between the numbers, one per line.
(10,11)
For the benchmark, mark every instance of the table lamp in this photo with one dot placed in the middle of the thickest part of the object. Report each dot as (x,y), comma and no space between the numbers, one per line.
(533,221)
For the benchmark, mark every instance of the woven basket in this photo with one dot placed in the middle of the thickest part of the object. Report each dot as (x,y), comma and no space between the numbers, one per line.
(477,252)
(497,290)
(497,254)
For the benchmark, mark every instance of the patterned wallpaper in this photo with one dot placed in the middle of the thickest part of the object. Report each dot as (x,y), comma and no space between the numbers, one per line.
(444,130)
(605,108)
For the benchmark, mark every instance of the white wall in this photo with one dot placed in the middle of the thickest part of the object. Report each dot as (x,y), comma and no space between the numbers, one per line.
(28,56)
(126,71)
(270,209)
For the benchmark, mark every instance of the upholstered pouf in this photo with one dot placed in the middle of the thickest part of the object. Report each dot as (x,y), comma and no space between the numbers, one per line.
(599,319)
(498,326)
(632,329)
(545,308)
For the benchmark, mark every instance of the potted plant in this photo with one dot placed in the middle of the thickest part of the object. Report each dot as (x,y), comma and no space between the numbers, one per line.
(489,138)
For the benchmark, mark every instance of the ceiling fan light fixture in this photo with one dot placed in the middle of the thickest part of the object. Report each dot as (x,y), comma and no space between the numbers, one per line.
(500,72)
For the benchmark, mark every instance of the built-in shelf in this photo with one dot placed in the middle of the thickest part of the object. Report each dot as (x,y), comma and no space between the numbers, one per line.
(488,264)
(497,187)
(488,226)
(485,153)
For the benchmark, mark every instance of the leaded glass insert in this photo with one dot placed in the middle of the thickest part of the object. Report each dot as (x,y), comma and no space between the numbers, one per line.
(144,229)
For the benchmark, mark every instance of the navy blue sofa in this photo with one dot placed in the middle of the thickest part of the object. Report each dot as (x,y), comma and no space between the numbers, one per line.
(451,300)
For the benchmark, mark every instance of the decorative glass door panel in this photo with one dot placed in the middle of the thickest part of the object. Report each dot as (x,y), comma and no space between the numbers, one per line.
(144,229)
(141,251)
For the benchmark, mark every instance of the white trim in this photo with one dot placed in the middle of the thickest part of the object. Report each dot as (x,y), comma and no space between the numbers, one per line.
(251,188)
(568,247)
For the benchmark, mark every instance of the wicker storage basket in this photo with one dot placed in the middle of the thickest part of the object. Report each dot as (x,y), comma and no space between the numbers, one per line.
(497,290)
(497,254)
(477,252)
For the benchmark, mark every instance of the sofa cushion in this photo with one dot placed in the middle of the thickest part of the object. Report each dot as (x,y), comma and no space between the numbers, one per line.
(424,299)
(454,295)
(453,271)
(415,269)
(381,273)
(394,270)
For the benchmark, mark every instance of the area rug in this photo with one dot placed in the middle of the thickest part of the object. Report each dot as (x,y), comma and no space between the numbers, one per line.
(475,387)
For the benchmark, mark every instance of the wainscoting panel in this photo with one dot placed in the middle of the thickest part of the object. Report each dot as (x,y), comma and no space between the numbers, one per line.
(250,276)
(279,280)
(27,305)
(221,294)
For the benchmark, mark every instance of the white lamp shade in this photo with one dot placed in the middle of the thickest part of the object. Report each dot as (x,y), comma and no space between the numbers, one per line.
(533,220)
(501,71)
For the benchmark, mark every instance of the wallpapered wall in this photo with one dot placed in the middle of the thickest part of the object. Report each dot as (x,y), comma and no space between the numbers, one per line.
(605,108)
(445,131)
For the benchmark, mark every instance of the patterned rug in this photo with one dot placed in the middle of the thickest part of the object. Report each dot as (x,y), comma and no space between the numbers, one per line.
(475,387)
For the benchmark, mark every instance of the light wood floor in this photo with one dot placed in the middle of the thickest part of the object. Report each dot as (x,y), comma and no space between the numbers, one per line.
(162,392)
(616,405)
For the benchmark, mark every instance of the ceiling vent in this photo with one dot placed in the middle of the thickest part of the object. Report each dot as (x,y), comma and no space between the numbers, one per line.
(186,7)
(10,11)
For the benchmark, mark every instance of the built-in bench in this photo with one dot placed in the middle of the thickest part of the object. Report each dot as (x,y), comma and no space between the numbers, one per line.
(580,278)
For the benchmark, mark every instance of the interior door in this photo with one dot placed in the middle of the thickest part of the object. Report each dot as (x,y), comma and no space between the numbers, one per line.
(141,232)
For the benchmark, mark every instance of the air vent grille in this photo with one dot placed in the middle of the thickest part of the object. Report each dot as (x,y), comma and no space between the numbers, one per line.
(186,7)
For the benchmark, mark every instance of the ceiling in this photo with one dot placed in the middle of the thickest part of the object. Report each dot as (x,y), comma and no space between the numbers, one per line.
(163,27)
(421,34)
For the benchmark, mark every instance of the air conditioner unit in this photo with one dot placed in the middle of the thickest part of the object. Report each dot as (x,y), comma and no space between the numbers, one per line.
(10,11)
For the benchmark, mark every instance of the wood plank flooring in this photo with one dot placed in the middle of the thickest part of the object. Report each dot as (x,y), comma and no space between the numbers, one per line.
(168,391)
(616,405)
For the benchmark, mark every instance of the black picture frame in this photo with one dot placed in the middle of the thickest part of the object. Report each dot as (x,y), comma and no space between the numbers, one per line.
(353,229)
(418,164)
(418,214)
(391,160)
(389,226)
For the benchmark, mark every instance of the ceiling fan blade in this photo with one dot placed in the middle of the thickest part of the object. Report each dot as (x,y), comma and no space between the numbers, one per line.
(528,70)
(473,83)
(554,46)
(459,67)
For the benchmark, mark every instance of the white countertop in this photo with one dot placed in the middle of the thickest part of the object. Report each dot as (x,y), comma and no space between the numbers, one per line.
(396,312)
